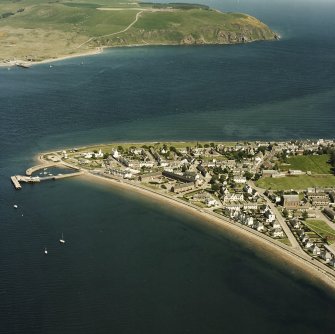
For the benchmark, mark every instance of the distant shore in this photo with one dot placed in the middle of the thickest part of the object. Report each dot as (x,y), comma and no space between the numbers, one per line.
(99,50)
(51,60)
(266,247)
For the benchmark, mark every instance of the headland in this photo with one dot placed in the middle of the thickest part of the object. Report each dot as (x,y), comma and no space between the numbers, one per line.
(44,31)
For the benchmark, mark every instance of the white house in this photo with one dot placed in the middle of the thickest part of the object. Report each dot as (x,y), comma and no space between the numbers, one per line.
(259,226)
(240,179)
(249,221)
(115,154)
(277,233)
(270,217)
(309,245)
(210,202)
(232,197)
(99,154)
(316,250)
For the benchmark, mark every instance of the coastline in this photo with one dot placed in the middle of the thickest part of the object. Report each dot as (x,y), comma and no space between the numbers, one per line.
(102,48)
(261,244)
(266,248)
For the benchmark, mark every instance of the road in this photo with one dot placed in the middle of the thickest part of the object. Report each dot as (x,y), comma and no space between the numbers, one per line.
(279,217)
(114,33)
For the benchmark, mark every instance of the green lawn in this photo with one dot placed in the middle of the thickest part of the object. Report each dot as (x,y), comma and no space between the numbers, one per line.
(40,29)
(300,182)
(315,163)
(285,241)
(322,228)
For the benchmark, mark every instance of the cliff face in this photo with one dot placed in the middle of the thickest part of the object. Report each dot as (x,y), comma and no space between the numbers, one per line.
(220,29)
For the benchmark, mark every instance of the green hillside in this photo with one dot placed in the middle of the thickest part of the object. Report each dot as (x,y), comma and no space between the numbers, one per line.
(39,29)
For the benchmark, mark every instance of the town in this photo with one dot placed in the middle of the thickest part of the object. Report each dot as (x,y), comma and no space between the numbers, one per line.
(284,191)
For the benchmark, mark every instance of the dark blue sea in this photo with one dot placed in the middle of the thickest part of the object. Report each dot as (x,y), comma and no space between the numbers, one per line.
(130,264)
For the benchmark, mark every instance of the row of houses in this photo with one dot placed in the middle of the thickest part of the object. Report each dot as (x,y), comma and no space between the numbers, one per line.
(315,246)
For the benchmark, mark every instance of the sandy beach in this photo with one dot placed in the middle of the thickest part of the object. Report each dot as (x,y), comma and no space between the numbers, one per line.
(51,60)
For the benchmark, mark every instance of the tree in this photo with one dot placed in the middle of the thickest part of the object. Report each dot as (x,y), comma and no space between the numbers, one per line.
(248,175)
(215,186)
(285,213)
(304,215)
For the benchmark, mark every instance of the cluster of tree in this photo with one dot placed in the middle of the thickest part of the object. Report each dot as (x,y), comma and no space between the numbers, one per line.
(173,149)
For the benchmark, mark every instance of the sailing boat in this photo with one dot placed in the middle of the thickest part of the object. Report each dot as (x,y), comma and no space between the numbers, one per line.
(61,240)
(45,251)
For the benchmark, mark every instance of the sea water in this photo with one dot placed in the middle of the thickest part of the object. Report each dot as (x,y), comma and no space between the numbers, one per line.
(130,264)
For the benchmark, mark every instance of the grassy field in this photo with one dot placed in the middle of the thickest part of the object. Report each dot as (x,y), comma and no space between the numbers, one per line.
(41,29)
(317,164)
(300,182)
(322,228)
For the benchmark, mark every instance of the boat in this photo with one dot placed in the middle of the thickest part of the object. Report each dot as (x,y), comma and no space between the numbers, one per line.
(15,206)
(61,240)
(45,251)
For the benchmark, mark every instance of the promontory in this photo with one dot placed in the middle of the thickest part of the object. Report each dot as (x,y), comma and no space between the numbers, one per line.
(36,30)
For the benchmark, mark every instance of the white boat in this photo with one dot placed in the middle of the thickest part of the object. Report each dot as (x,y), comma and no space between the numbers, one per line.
(15,206)
(45,251)
(61,240)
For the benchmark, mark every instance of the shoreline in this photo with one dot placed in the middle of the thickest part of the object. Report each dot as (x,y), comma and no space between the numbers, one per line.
(101,49)
(299,262)
(266,248)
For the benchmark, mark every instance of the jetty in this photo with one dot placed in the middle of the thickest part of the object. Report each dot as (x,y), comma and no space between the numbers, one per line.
(16,182)
(16,179)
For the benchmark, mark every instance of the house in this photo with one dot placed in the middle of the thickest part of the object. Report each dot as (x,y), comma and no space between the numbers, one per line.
(182,187)
(250,206)
(332,196)
(259,226)
(296,172)
(295,223)
(300,233)
(332,262)
(115,154)
(325,255)
(316,250)
(249,221)
(210,202)
(304,239)
(275,224)
(309,244)
(270,217)
(202,170)
(277,233)
(240,179)
(178,177)
(319,199)
(149,176)
(232,197)
(291,201)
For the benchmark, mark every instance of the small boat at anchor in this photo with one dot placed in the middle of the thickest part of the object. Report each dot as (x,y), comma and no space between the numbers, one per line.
(61,240)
